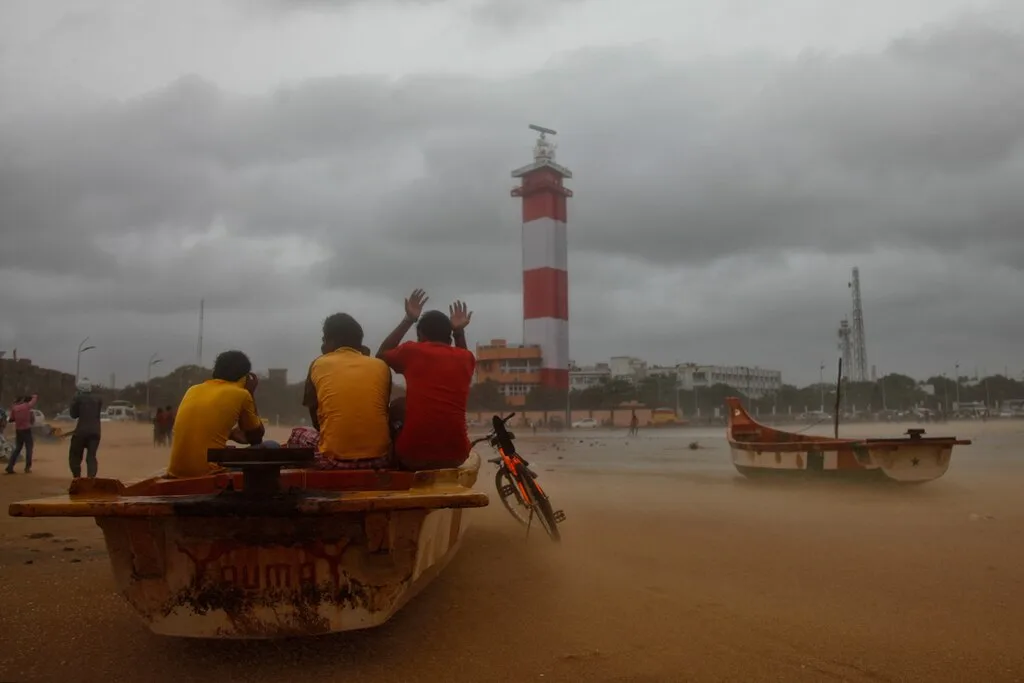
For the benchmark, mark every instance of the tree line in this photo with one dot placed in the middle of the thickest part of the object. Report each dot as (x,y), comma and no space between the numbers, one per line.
(891,392)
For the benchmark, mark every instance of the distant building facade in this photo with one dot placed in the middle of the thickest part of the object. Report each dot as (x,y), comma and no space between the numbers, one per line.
(515,368)
(584,377)
(754,382)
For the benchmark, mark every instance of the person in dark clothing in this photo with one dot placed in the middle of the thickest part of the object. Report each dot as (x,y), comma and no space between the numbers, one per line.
(158,427)
(168,425)
(87,409)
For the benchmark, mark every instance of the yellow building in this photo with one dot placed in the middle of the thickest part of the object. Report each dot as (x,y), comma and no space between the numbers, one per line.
(514,367)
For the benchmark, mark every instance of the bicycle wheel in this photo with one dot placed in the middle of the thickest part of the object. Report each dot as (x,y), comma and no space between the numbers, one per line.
(541,507)
(510,496)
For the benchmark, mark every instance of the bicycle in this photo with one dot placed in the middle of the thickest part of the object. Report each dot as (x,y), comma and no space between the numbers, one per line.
(517,483)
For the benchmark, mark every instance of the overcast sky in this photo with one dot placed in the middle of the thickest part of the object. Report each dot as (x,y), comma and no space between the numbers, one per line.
(733,160)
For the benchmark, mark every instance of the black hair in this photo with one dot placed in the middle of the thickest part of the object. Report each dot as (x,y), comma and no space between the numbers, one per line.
(341,329)
(168,408)
(435,326)
(231,366)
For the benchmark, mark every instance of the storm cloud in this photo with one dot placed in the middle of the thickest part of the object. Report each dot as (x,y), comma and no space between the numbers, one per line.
(721,201)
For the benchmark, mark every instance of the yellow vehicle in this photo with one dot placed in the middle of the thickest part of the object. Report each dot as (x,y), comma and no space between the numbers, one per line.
(665,417)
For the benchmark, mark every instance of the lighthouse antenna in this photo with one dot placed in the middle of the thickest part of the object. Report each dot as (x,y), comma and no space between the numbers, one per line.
(542,130)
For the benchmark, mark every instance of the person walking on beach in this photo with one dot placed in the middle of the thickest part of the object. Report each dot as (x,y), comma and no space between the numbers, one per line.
(168,425)
(87,408)
(634,425)
(22,417)
(158,427)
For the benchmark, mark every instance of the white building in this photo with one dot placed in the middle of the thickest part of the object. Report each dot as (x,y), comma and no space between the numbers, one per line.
(628,368)
(754,382)
(581,378)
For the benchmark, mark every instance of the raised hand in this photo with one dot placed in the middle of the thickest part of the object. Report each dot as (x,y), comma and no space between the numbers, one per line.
(251,382)
(414,304)
(460,315)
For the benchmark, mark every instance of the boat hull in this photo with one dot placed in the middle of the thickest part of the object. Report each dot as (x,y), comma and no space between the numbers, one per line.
(757,449)
(276,577)
(330,551)
(906,464)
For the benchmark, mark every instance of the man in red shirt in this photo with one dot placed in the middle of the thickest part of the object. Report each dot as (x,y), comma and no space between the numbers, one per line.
(437,378)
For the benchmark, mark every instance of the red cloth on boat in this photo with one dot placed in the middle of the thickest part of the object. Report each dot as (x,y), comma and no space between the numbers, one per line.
(307,437)
(303,437)
(324,462)
(437,378)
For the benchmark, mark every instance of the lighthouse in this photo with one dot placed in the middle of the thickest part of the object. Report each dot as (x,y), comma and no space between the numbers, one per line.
(545,260)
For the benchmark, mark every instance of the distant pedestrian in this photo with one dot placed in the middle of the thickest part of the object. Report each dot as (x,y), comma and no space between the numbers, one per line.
(169,424)
(634,425)
(22,417)
(158,428)
(87,408)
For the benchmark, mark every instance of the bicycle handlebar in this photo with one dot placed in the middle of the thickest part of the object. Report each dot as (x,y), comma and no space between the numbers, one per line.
(498,432)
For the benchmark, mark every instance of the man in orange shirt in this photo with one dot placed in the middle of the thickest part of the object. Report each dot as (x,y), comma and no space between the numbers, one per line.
(438,375)
(347,394)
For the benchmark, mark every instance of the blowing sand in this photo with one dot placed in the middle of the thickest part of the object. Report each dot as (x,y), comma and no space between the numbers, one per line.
(672,568)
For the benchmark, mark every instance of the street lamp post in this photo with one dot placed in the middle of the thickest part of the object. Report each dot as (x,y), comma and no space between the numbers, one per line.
(881,384)
(821,385)
(957,367)
(153,360)
(945,394)
(82,348)
(675,386)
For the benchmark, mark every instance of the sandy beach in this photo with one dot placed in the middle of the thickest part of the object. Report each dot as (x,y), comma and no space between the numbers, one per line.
(672,568)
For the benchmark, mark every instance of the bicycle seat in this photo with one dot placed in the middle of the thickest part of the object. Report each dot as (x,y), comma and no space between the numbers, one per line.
(496,461)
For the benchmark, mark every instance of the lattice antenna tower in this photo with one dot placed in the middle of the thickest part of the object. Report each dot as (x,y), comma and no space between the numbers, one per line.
(859,369)
(845,345)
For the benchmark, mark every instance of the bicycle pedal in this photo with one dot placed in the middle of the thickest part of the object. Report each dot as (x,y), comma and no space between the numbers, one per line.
(506,490)
(559,516)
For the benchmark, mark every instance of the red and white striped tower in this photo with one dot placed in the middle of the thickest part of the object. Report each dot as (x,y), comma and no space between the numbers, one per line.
(545,260)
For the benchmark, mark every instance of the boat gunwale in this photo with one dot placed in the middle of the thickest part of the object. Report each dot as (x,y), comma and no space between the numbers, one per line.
(428,489)
(826,445)
(303,505)
(792,441)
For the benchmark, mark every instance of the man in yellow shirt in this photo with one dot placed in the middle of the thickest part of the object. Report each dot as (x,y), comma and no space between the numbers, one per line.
(213,412)
(347,393)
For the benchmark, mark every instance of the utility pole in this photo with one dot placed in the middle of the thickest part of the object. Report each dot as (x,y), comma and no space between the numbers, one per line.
(153,360)
(957,368)
(821,385)
(82,348)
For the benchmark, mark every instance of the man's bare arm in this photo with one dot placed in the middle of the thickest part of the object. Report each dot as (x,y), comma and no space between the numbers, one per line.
(460,315)
(397,335)
(413,311)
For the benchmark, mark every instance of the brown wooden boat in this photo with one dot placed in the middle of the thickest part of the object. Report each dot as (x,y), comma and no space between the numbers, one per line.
(758,449)
(266,553)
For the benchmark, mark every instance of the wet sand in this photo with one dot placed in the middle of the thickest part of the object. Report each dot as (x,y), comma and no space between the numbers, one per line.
(673,568)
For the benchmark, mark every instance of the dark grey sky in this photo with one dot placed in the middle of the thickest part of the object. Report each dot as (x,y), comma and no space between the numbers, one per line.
(287,160)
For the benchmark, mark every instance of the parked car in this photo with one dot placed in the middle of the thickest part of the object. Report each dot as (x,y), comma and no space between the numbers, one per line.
(586,423)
